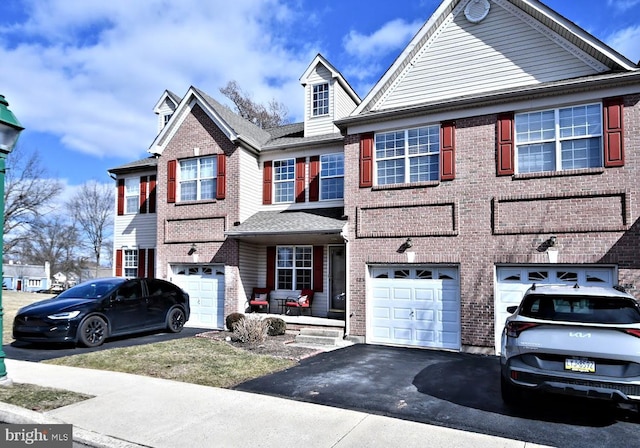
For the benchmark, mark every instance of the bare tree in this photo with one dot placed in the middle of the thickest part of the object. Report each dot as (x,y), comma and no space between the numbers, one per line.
(92,210)
(52,239)
(272,115)
(29,192)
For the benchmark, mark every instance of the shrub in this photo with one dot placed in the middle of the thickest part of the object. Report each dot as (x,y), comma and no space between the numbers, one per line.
(250,330)
(232,319)
(276,327)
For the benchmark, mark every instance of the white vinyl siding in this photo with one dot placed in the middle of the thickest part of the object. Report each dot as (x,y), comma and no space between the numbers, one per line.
(466,59)
(139,230)
(323,124)
(250,194)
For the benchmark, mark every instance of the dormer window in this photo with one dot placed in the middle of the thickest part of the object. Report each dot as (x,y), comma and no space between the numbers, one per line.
(167,117)
(321,99)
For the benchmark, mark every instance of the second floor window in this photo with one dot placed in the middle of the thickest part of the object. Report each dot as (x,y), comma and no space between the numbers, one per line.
(294,267)
(130,263)
(132,195)
(198,179)
(332,176)
(559,139)
(408,155)
(284,174)
(320,99)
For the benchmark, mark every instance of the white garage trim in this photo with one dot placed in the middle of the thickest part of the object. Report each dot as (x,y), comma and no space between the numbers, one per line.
(414,306)
(205,286)
(512,281)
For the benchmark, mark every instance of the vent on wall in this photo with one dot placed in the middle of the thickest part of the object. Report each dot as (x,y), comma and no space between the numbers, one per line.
(477,10)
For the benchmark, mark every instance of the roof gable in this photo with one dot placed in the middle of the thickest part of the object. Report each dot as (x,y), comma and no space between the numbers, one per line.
(320,63)
(518,43)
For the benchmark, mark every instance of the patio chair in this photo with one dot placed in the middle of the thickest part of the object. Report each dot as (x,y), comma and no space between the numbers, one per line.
(302,302)
(259,299)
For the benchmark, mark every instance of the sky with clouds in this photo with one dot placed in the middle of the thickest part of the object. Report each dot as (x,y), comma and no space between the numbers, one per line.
(83,76)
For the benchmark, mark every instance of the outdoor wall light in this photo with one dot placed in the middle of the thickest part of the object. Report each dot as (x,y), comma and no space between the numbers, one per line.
(404,246)
(551,241)
(193,249)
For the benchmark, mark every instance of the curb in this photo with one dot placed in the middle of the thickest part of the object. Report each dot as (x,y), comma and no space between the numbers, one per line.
(16,415)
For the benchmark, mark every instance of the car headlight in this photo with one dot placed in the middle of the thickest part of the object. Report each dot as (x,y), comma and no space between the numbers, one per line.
(65,315)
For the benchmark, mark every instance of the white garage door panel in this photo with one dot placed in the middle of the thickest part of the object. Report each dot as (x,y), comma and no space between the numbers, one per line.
(415,306)
(513,281)
(205,286)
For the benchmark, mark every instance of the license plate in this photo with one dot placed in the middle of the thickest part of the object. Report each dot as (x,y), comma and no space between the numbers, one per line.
(580,365)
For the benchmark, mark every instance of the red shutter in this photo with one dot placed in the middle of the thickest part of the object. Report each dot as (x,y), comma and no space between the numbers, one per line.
(151,263)
(267,173)
(171,181)
(142,262)
(448,151)
(505,145)
(152,194)
(318,268)
(222,177)
(143,194)
(120,197)
(613,132)
(119,263)
(366,160)
(314,179)
(300,178)
(271,267)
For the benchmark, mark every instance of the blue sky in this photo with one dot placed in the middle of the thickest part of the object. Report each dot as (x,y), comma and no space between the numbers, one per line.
(83,76)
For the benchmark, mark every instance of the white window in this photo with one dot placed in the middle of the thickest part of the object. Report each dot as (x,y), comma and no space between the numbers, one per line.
(559,139)
(132,195)
(321,99)
(284,180)
(332,176)
(34,282)
(198,178)
(294,267)
(408,155)
(130,263)
(166,118)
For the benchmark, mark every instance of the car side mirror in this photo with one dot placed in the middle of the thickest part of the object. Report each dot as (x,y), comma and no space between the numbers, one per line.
(511,309)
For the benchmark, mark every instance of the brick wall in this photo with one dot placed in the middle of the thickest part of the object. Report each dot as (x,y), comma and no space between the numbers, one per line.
(600,203)
(204,222)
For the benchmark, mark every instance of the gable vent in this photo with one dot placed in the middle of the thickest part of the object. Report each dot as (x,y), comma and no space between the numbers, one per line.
(477,10)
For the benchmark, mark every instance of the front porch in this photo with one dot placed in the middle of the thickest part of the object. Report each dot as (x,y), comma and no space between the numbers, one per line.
(295,322)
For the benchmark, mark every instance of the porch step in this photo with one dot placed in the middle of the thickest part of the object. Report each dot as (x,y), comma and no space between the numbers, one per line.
(325,337)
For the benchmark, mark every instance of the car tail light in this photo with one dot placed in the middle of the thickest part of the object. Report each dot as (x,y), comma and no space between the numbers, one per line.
(515,328)
(632,332)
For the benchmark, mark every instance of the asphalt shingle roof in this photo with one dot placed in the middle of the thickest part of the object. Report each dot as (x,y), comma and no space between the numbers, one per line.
(326,220)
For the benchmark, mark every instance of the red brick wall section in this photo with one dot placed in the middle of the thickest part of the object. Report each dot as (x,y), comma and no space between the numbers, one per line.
(476,248)
(198,131)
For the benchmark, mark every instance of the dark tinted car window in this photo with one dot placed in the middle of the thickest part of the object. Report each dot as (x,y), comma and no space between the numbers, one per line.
(90,290)
(130,291)
(158,287)
(601,310)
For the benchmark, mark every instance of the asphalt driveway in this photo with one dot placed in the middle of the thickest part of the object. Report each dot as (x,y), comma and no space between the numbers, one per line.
(455,390)
(41,352)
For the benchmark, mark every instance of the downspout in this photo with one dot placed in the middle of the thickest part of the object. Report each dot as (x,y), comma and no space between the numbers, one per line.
(347,301)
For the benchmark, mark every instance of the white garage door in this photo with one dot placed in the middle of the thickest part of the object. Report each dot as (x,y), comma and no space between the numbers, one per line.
(513,281)
(414,306)
(205,285)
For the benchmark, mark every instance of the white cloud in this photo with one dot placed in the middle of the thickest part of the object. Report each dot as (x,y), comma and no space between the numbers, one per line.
(94,69)
(391,36)
(626,41)
(622,5)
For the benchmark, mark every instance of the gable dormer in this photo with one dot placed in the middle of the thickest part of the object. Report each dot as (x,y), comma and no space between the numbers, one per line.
(328,97)
(165,107)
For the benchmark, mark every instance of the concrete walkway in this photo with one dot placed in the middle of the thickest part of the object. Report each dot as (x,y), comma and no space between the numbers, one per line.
(130,411)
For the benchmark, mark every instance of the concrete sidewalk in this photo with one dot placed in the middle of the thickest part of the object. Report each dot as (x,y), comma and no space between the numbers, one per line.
(130,411)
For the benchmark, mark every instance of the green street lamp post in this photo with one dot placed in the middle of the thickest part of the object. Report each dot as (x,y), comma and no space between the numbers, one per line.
(10,130)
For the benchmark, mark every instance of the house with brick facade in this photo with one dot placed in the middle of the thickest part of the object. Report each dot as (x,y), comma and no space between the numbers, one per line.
(500,149)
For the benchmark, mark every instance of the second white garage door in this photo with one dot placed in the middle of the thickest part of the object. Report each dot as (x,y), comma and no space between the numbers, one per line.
(414,306)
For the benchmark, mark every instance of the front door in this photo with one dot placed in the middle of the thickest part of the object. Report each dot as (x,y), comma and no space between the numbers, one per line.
(337,278)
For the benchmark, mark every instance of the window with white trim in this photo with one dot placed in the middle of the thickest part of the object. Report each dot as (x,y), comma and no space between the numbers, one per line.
(294,267)
(560,139)
(332,176)
(130,258)
(320,100)
(284,174)
(132,195)
(34,282)
(198,178)
(408,155)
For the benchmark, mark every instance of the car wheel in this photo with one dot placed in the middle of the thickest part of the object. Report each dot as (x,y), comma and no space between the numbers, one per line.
(93,331)
(511,395)
(175,320)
